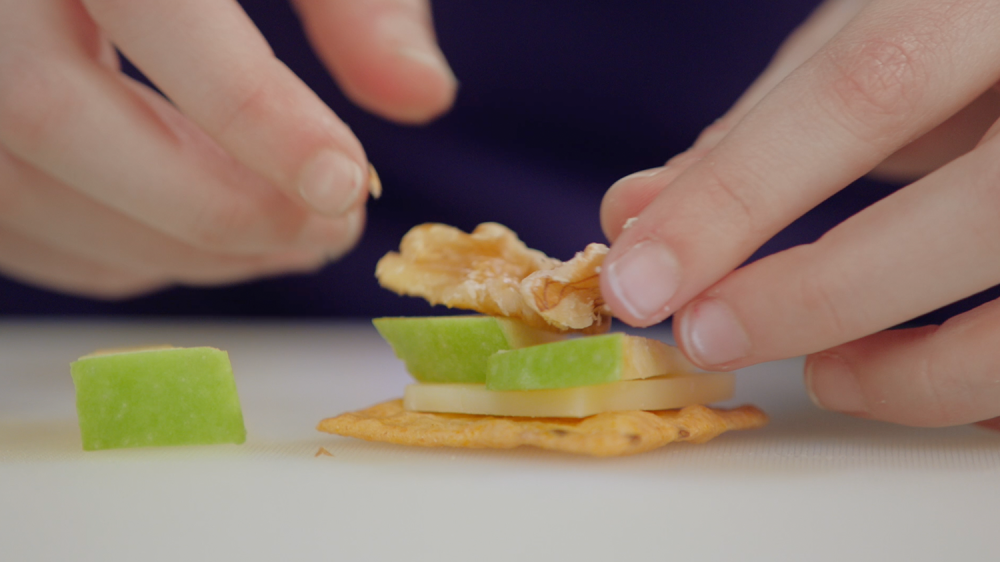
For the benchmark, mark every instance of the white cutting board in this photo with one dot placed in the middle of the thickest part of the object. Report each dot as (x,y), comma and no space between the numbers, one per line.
(811,486)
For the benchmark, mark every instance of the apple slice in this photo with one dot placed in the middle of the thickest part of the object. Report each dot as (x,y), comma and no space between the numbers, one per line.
(171,396)
(658,393)
(455,348)
(584,362)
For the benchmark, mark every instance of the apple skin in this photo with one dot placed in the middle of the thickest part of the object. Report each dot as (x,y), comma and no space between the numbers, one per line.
(154,397)
(584,361)
(454,349)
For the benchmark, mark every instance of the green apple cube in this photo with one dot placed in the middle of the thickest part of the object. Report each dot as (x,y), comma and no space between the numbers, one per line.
(583,362)
(455,348)
(152,397)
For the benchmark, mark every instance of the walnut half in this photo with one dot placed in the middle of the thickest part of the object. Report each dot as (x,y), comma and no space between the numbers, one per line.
(492,271)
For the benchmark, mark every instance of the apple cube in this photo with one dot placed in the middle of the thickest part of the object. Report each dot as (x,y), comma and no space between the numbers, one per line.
(455,348)
(584,362)
(151,397)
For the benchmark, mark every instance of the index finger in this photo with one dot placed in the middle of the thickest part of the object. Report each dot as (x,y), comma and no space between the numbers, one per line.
(213,63)
(895,71)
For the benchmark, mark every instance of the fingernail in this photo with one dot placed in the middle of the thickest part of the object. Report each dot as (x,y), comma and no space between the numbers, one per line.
(713,334)
(644,279)
(331,183)
(429,59)
(832,385)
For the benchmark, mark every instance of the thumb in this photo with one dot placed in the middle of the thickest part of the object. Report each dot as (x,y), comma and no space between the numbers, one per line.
(384,55)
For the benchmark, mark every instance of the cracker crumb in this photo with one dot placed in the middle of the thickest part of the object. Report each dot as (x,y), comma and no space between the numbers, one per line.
(322,452)
(374,183)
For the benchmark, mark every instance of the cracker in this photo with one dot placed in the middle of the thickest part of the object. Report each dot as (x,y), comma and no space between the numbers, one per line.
(603,435)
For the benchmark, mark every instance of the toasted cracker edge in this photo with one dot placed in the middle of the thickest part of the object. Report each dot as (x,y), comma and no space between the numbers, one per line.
(607,434)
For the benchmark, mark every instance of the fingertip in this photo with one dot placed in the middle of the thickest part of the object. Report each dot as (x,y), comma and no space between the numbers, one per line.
(332,183)
(410,86)
(712,335)
(411,81)
(832,384)
(427,88)
(385,57)
(639,282)
(627,197)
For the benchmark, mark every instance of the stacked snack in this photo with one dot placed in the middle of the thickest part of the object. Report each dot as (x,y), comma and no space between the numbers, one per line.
(517,376)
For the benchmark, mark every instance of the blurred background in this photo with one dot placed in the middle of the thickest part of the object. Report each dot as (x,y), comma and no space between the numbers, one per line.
(558,99)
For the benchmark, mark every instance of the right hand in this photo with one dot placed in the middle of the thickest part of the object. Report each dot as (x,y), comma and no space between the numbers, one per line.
(109,190)
(901,88)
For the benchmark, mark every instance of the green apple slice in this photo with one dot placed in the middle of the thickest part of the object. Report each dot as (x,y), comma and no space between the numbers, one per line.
(157,396)
(455,348)
(658,393)
(584,362)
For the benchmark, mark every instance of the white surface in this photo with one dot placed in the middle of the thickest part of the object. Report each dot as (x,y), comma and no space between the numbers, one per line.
(811,486)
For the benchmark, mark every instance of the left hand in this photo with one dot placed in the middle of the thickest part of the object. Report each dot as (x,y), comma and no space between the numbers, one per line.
(902,88)
(109,189)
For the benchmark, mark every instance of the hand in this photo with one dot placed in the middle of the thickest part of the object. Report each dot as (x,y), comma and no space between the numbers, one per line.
(901,87)
(108,190)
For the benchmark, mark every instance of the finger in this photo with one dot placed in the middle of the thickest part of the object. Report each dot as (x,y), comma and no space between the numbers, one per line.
(930,376)
(949,140)
(944,143)
(928,245)
(37,264)
(128,148)
(41,209)
(992,424)
(384,55)
(631,194)
(251,207)
(818,29)
(210,60)
(886,79)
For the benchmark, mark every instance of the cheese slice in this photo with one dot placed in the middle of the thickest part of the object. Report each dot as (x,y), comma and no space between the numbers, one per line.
(658,393)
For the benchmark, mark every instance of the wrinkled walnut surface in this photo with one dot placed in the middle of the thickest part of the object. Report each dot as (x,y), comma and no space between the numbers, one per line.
(491,271)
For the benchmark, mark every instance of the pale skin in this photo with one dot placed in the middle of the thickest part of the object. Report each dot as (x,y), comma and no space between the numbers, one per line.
(904,89)
(107,190)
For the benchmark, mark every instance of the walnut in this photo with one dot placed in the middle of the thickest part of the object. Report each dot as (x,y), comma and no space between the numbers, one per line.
(568,296)
(491,271)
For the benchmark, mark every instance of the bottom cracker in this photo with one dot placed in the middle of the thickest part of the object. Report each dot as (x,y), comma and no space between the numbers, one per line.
(602,435)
